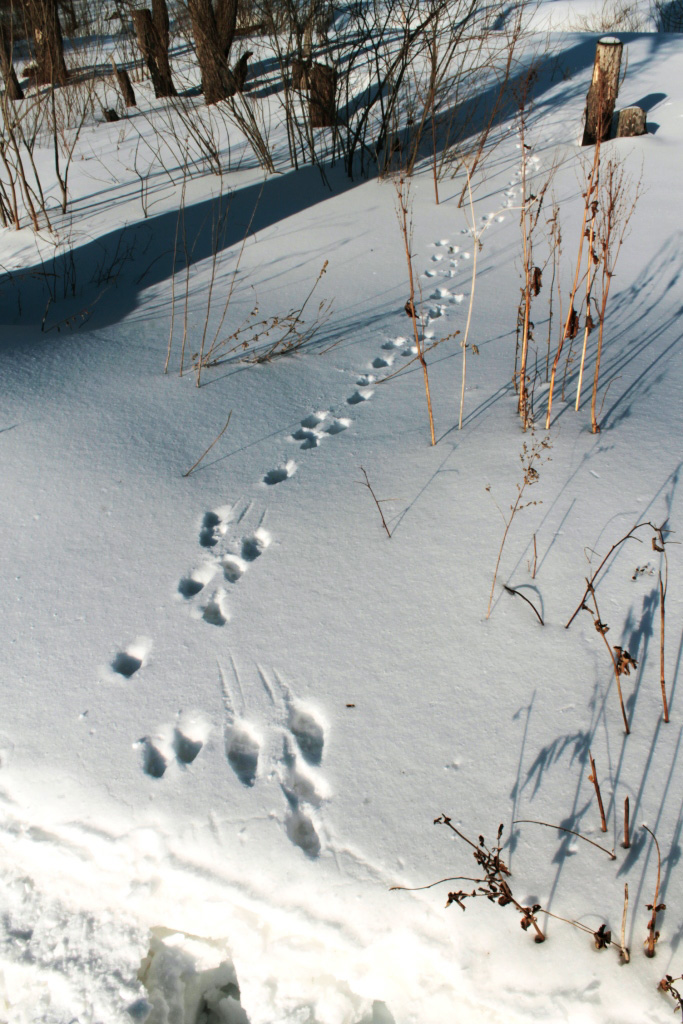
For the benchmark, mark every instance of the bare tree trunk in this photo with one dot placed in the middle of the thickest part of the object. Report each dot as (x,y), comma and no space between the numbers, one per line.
(323,83)
(154,53)
(13,90)
(226,23)
(217,78)
(161,22)
(49,46)
(123,78)
(602,94)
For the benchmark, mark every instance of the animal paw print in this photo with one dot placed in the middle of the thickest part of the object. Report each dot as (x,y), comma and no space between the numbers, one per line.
(295,770)
(280,473)
(311,433)
(215,525)
(241,741)
(180,743)
(304,792)
(129,660)
(301,782)
(363,394)
(231,559)
(316,427)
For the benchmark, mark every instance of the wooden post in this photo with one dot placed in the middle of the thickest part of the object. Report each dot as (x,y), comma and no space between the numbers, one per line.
(153,52)
(123,78)
(602,94)
(322,82)
(631,121)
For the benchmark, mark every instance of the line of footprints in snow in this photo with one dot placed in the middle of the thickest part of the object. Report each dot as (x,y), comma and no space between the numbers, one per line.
(230,551)
(447,258)
(301,735)
(230,554)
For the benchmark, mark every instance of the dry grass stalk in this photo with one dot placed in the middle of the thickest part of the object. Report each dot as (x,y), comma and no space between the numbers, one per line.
(627,826)
(291,333)
(529,456)
(426,349)
(571,323)
(530,212)
(625,952)
(378,501)
(518,593)
(655,907)
(588,325)
(659,545)
(477,247)
(593,777)
(667,985)
(496,888)
(181,207)
(556,255)
(590,583)
(231,289)
(622,662)
(617,201)
(216,438)
(402,195)
(476,234)
(217,232)
(570,831)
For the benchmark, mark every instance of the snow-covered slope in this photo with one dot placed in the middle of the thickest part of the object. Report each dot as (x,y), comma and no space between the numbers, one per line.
(233,707)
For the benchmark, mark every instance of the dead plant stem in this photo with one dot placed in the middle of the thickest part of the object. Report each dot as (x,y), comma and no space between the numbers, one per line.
(366,483)
(655,907)
(216,438)
(593,578)
(601,628)
(593,777)
(402,195)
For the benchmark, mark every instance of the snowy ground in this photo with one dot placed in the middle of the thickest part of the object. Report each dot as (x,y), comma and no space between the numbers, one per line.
(234,707)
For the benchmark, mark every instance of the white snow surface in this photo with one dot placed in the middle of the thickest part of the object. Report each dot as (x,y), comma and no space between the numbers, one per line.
(233,707)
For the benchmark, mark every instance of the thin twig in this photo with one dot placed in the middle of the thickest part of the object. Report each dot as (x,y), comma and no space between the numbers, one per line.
(602,629)
(217,438)
(662,683)
(367,484)
(652,934)
(593,777)
(624,949)
(627,829)
(425,351)
(419,888)
(518,593)
(597,571)
(659,545)
(402,193)
(531,821)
